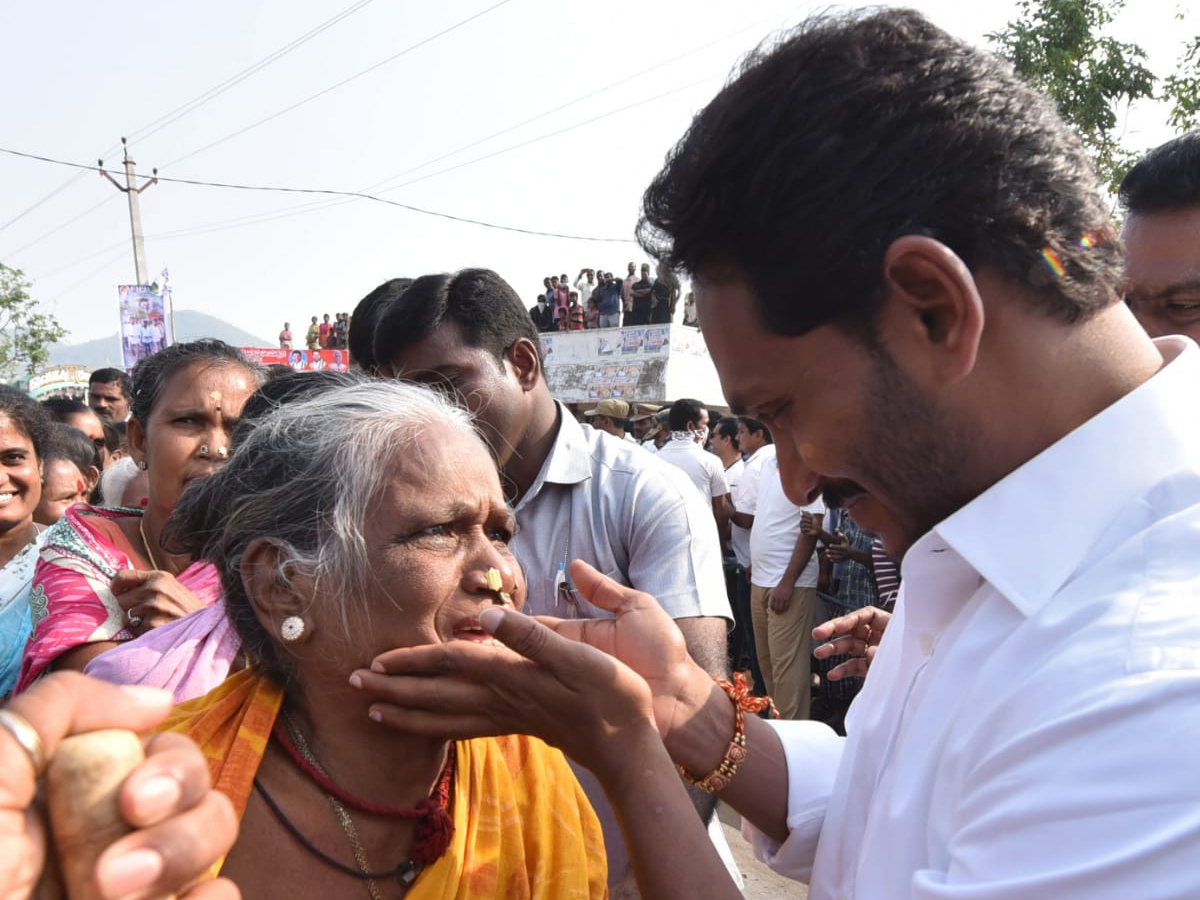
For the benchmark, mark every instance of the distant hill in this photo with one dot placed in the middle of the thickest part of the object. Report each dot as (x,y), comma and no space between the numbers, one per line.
(189,325)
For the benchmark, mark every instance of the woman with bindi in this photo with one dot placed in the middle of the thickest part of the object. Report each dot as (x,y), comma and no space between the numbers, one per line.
(104,577)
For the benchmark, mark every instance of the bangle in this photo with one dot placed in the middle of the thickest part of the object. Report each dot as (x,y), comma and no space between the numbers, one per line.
(743,702)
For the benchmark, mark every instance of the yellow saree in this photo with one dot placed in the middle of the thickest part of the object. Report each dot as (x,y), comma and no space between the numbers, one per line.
(522,825)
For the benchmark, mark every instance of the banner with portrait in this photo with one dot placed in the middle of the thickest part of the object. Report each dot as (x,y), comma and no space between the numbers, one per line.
(143,322)
(299,360)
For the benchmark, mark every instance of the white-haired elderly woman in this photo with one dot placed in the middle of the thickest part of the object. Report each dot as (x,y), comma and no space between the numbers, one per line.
(365,519)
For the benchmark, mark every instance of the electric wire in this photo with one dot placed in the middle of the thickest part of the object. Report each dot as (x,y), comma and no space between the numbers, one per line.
(335,193)
(305,208)
(212,93)
(334,87)
(58,228)
(184,109)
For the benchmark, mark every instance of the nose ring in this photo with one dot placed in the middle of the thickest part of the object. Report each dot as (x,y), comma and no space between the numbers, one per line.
(203,451)
(223,451)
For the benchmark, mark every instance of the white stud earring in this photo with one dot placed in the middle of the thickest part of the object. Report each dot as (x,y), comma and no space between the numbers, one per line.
(142,465)
(291,629)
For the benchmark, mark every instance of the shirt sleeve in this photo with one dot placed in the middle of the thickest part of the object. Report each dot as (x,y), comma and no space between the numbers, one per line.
(674,549)
(813,752)
(719,486)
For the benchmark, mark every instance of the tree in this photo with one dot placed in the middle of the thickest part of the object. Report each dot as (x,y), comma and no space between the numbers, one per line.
(25,333)
(1061,48)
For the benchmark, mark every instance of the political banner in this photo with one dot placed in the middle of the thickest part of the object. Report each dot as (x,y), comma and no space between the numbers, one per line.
(143,323)
(299,360)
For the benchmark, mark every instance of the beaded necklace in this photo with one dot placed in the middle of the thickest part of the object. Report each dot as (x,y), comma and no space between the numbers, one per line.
(434,829)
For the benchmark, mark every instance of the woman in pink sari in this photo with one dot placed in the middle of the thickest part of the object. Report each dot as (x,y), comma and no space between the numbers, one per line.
(104,577)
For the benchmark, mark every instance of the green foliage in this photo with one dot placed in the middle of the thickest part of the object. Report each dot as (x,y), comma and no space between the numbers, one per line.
(1060,48)
(1182,88)
(25,333)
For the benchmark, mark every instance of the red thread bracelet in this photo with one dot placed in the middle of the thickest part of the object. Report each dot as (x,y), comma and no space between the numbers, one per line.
(743,702)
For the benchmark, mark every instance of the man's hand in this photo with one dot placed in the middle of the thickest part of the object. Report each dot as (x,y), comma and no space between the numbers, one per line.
(810,524)
(565,681)
(857,635)
(181,826)
(780,597)
(838,551)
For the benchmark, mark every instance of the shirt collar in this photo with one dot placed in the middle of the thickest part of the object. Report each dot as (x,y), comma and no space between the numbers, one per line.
(1090,476)
(569,459)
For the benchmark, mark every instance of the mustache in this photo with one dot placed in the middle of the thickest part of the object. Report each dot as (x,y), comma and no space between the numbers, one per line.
(836,492)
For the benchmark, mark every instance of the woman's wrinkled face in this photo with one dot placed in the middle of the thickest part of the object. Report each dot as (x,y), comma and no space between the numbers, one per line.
(437,527)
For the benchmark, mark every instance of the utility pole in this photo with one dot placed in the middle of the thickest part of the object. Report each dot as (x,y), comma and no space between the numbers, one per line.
(130,190)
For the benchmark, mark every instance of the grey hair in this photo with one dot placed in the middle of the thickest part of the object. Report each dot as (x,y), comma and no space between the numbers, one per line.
(303,478)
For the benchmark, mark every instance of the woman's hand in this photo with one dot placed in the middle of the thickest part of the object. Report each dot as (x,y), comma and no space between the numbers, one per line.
(152,598)
(181,826)
(857,635)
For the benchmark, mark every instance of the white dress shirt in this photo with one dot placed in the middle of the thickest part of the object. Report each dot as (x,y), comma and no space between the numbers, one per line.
(1030,726)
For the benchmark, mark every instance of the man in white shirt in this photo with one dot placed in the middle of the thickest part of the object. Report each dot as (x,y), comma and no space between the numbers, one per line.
(1028,727)
(783,593)
(688,421)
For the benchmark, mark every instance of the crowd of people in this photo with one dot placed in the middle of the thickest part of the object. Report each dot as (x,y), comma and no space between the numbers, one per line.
(429,635)
(323,335)
(598,299)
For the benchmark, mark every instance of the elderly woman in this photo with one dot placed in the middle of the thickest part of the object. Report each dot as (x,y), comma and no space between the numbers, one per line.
(364,519)
(104,576)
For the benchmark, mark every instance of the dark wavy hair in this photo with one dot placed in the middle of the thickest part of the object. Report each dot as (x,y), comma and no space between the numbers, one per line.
(150,375)
(360,338)
(489,312)
(856,129)
(1168,177)
(28,416)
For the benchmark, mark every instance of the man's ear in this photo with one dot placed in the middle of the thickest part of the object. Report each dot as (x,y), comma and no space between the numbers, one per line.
(931,316)
(274,595)
(525,358)
(136,438)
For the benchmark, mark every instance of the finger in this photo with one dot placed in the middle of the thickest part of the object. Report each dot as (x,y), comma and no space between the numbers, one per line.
(852,668)
(602,591)
(66,703)
(840,625)
(848,645)
(174,777)
(128,579)
(212,889)
(154,861)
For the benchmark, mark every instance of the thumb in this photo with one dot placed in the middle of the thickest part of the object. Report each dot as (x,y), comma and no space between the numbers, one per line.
(600,590)
(525,635)
(128,579)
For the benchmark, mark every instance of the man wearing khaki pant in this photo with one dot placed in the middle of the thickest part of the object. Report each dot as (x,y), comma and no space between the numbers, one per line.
(783,593)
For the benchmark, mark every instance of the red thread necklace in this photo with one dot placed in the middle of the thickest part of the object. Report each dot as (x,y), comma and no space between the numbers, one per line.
(435,827)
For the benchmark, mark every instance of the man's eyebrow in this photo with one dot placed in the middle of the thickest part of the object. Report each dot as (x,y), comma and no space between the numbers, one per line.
(1167,291)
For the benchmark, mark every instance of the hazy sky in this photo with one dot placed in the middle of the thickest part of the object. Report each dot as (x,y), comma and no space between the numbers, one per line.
(530,114)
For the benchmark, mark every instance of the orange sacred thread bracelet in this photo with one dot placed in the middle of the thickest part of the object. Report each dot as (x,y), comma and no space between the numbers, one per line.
(743,702)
